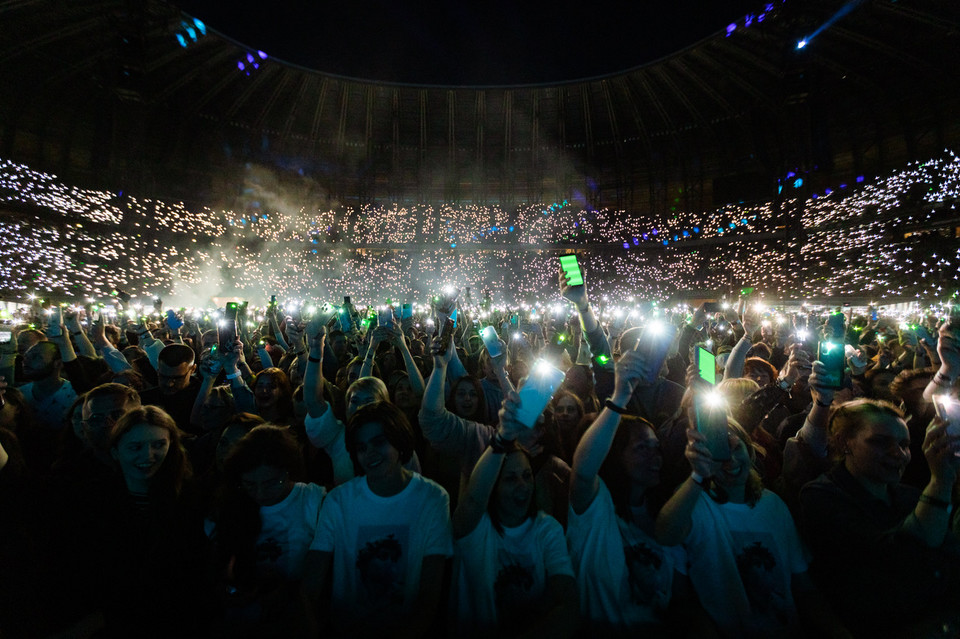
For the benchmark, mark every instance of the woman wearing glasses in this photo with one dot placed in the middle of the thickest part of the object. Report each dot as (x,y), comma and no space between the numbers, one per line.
(266,519)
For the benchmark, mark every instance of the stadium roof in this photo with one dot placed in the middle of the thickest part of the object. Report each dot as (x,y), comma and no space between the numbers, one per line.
(140,96)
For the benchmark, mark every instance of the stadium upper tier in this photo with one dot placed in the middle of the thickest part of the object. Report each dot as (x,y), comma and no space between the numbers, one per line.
(896,237)
(135,95)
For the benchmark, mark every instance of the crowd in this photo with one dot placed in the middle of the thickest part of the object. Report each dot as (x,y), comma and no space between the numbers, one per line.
(362,471)
(889,238)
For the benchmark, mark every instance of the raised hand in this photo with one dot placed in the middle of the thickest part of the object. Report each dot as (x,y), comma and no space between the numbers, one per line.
(576,294)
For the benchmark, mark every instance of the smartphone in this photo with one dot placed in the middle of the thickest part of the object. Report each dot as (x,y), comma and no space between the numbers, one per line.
(831,355)
(273,302)
(571,269)
(712,307)
(385,318)
(948,409)
(157,304)
(746,291)
(6,337)
(654,344)
(706,365)
(446,336)
(53,326)
(346,299)
(491,341)
(542,382)
(406,311)
(710,419)
(122,296)
(346,322)
(227,330)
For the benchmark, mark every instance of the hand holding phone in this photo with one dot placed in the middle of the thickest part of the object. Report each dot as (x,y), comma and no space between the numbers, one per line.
(492,342)
(710,420)
(227,328)
(654,344)
(174,323)
(948,409)
(54,328)
(542,382)
(571,269)
(832,356)
(446,337)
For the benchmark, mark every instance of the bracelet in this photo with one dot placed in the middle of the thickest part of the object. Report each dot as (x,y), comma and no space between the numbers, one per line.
(315,360)
(699,480)
(501,446)
(75,333)
(617,409)
(233,375)
(942,380)
(933,501)
(824,405)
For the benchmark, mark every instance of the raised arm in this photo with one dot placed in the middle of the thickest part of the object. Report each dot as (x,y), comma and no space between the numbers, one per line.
(433,400)
(233,365)
(596,441)
(930,520)
(948,348)
(209,368)
(484,476)
(675,520)
(377,337)
(313,377)
(417,384)
(738,355)
(72,323)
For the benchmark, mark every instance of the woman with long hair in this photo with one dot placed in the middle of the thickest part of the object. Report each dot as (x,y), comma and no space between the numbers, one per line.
(513,572)
(626,579)
(744,556)
(151,561)
(266,519)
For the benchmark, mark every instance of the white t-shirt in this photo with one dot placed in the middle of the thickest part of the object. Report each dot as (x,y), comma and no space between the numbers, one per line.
(499,580)
(741,562)
(625,577)
(287,530)
(49,411)
(378,545)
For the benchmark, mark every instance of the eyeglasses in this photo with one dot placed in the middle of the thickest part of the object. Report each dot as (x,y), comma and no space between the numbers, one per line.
(266,486)
(97,419)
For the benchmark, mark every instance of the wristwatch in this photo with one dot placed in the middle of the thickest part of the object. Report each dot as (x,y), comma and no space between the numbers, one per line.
(784,384)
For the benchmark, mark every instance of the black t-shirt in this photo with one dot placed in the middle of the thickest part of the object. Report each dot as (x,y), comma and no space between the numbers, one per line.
(179,405)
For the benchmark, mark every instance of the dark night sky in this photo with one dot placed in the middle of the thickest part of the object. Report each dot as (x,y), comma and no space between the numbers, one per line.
(459,43)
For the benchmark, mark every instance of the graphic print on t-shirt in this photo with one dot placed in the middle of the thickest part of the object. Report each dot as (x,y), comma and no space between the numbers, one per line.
(382,565)
(644,562)
(514,589)
(761,574)
(269,551)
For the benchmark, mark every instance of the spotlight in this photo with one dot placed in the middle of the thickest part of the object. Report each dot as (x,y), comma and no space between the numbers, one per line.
(802,44)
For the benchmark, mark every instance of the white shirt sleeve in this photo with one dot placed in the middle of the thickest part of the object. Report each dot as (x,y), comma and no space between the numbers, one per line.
(327,432)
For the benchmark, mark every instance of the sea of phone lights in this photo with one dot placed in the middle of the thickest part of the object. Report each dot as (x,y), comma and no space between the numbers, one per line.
(892,239)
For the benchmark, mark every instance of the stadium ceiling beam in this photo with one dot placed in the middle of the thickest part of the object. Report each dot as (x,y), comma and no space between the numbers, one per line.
(193,74)
(20,48)
(274,96)
(301,92)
